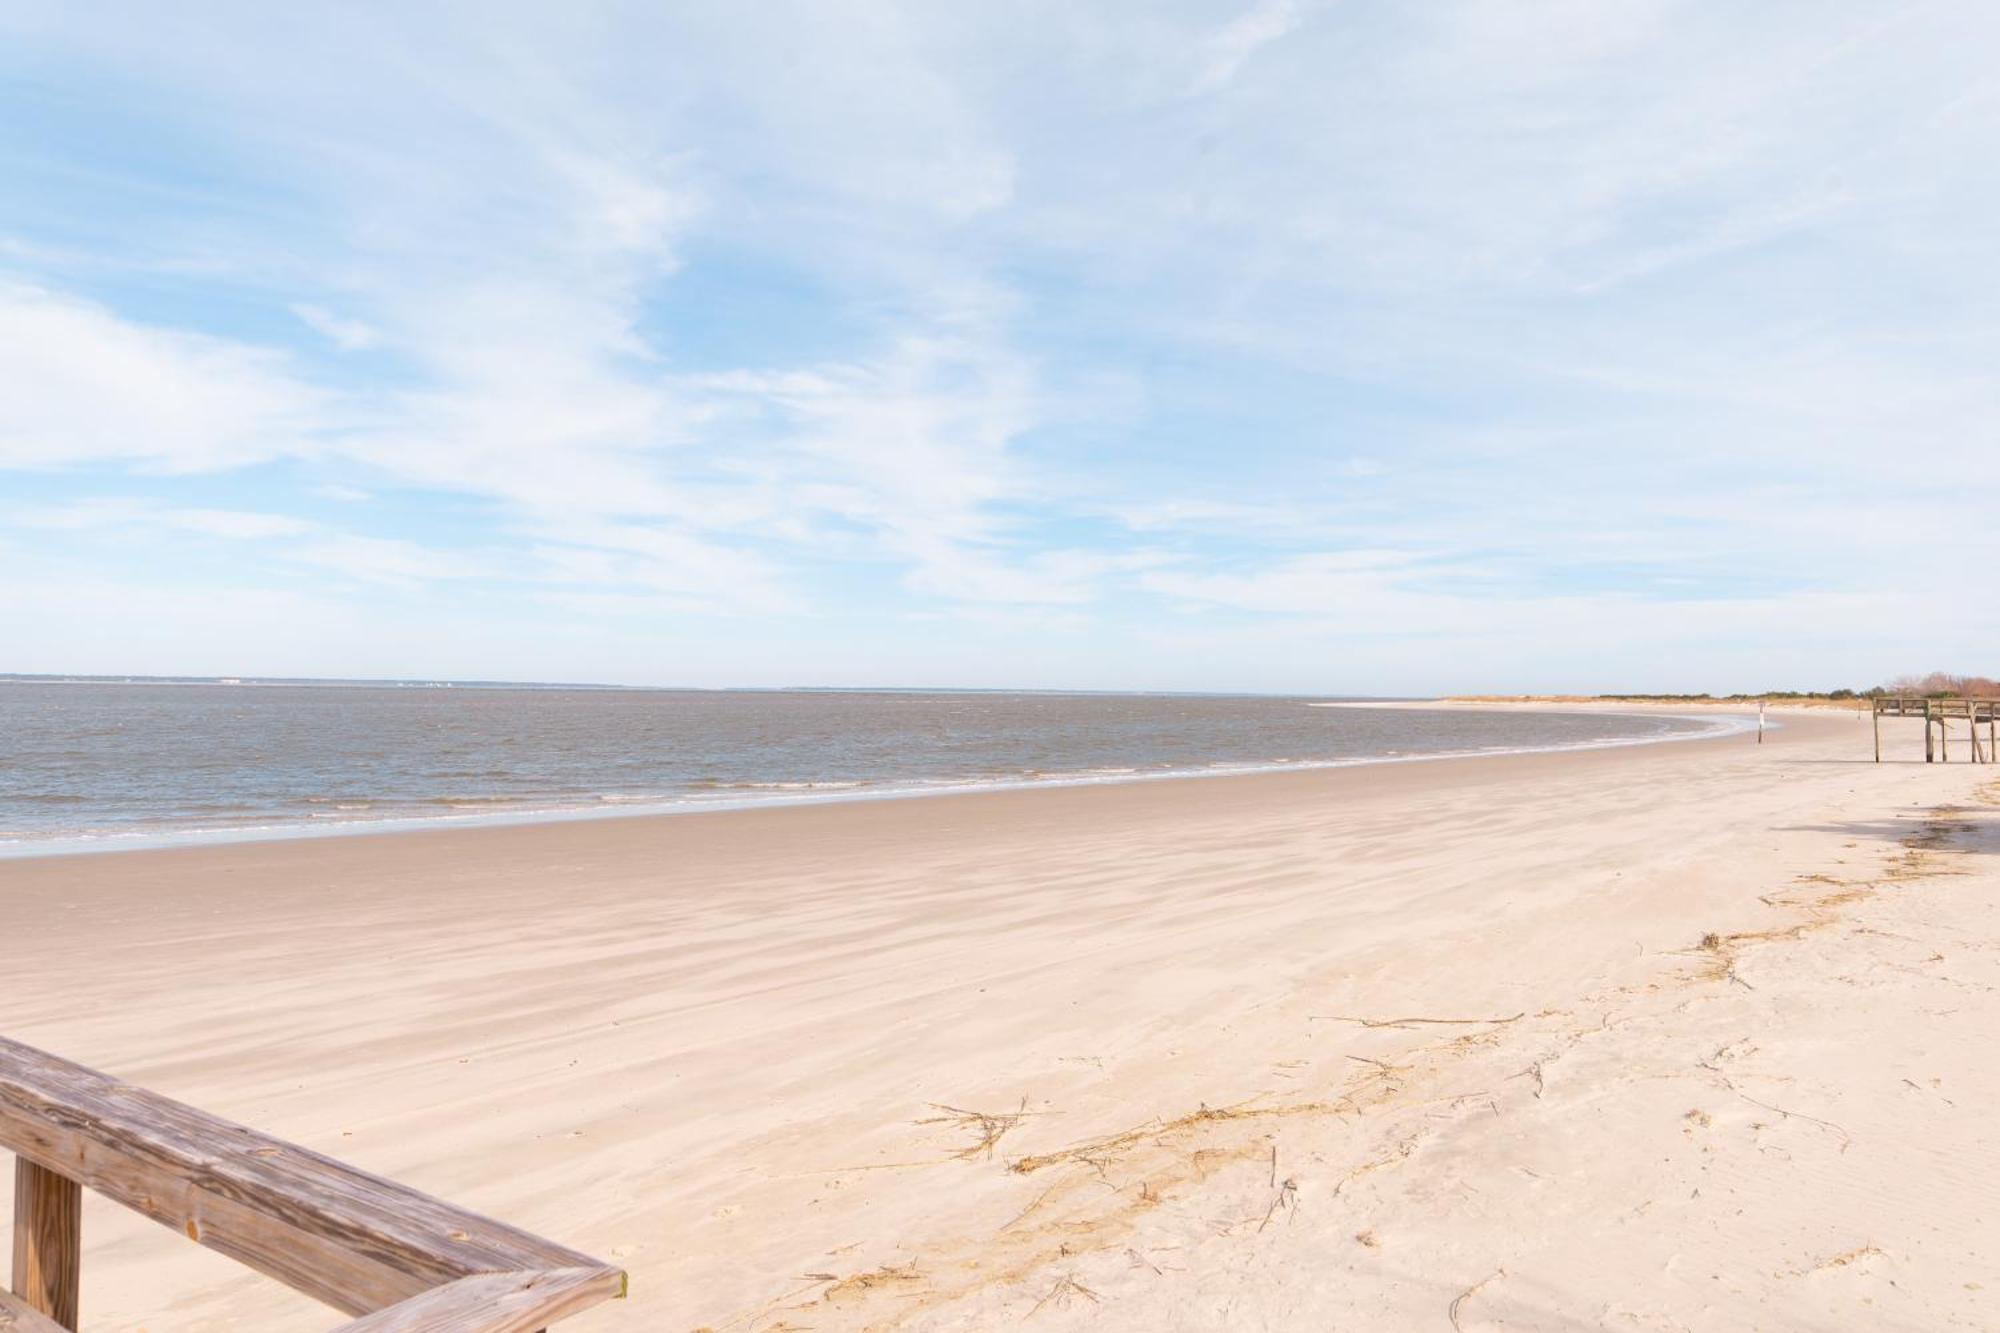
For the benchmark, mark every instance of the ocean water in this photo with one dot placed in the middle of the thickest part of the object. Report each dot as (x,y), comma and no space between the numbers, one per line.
(104,766)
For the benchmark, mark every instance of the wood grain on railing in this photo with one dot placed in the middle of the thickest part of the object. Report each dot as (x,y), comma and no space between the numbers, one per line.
(48,1241)
(365,1245)
(496,1303)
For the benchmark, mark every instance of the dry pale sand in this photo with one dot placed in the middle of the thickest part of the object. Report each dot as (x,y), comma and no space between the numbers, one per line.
(1405,1047)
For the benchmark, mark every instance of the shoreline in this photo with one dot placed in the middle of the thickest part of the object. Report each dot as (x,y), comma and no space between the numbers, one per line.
(1321,1049)
(1721,721)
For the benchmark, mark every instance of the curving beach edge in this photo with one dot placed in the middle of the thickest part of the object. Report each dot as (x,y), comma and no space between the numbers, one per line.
(1653,1036)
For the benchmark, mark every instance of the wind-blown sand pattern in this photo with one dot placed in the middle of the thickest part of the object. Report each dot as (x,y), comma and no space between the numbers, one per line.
(1688,1036)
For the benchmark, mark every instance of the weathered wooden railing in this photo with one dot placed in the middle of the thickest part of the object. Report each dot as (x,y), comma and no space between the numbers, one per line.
(1936,712)
(401,1261)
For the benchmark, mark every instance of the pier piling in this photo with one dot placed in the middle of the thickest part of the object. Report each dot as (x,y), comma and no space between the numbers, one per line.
(1938,715)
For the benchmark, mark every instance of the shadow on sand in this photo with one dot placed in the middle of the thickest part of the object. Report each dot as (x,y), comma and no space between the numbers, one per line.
(1971,828)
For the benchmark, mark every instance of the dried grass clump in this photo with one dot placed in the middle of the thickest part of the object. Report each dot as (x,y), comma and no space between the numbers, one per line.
(986,1127)
(1065,1293)
(1091,1152)
(861,1283)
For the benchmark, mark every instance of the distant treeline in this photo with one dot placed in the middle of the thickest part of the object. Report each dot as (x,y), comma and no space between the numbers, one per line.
(1940,683)
(1839,696)
(1937,684)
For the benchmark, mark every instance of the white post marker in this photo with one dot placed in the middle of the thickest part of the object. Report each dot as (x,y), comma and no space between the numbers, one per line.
(1760,722)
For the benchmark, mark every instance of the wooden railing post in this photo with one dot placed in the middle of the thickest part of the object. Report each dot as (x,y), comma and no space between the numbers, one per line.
(48,1241)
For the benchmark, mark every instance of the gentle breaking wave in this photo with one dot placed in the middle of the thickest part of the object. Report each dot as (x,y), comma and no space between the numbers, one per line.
(114,766)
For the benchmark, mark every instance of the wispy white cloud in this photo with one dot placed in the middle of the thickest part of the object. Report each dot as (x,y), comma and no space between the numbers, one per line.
(80,384)
(386,559)
(141,522)
(350,335)
(1257,27)
(910,448)
(129,512)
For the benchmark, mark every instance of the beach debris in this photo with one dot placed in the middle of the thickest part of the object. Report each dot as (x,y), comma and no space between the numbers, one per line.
(1138,1260)
(1458,1302)
(1855,1257)
(987,1127)
(1742,1047)
(1400,1151)
(1023,1215)
(1846,1139)
(1417,1022)
(1093,1152)
(1288,1197)
(1933,1090)
(886,1276)
(1859,1254)
(1064,1293)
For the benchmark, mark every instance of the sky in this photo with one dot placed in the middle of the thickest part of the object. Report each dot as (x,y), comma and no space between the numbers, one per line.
(1277,346)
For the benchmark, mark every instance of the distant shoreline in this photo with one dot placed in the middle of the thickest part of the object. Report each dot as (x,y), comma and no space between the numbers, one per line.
(1776,697)
(420,683)
(1849,699)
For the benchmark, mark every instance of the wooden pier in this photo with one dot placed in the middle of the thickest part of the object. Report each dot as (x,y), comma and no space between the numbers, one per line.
(1937,714)
(402,1262)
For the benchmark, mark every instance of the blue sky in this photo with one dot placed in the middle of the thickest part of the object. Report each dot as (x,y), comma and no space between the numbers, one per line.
(1348,347)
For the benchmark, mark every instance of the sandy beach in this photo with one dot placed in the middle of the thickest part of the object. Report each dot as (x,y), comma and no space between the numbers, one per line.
(1682,1036)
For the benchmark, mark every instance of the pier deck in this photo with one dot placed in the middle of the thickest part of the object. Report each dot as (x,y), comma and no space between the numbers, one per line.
(1937,714)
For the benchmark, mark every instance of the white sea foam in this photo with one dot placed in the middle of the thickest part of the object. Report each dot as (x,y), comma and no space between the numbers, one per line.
(345,820)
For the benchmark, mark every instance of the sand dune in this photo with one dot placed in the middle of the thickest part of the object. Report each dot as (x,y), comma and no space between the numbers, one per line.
(1682,1036)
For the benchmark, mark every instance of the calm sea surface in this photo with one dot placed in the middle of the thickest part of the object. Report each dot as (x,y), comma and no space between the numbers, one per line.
(109,765)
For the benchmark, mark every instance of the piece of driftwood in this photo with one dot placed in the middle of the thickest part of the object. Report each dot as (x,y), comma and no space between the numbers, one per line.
(355,1241)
